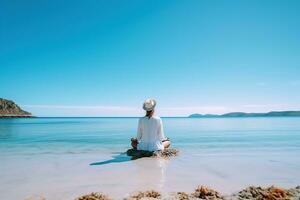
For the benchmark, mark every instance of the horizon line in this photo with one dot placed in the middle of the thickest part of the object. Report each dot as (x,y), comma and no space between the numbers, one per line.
(177,116)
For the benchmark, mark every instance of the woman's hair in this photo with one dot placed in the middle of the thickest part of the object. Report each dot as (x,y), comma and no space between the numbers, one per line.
(149,113)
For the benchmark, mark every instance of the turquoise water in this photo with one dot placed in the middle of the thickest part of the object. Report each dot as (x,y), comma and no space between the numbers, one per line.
(226,153)
(82,135)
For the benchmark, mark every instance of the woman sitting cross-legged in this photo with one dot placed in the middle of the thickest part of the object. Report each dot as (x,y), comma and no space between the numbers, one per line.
(150,134)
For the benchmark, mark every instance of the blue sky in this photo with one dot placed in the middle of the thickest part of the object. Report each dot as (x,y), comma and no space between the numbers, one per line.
(103,58)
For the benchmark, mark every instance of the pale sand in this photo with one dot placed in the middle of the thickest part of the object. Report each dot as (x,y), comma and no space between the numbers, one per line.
(67,176)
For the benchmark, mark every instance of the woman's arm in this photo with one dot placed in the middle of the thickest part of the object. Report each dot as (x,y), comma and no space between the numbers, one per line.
(139,130)
(161,134)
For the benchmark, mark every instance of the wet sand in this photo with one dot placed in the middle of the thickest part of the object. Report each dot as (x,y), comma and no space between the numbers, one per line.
(69,176)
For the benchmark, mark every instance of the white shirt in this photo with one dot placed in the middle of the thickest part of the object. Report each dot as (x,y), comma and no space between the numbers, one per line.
(150,134)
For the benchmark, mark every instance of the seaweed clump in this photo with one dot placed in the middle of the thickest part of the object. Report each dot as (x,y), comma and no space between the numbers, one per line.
(259,193)
(203,192)
(167,153)
(94,196)
(181,196)
(150,194)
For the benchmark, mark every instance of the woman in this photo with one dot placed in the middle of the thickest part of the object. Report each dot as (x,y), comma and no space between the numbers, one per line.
(150,133)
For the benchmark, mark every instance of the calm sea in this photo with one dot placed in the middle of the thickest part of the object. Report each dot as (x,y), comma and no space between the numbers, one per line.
(53,156)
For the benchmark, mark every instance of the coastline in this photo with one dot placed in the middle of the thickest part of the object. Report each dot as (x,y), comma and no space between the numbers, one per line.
(17,116)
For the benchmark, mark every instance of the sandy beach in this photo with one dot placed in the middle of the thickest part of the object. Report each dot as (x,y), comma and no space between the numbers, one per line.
(125,179)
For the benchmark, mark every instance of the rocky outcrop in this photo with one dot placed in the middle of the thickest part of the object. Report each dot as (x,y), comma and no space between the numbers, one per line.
(9,109)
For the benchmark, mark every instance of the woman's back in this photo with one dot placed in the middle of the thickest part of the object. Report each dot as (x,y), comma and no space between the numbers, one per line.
(150,133)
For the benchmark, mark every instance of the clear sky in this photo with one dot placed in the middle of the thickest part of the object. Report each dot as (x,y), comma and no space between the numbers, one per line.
(103,58)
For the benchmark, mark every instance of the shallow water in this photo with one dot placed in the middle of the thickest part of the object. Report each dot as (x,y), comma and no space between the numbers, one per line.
(53,156)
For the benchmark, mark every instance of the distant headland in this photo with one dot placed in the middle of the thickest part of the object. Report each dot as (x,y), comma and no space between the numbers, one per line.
(9,109)
(243,114)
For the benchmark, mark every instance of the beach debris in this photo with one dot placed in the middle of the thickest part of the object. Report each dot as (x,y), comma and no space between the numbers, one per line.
(150,194)
(167,153)
(94,196)
(203,192)
(269,193)
(295,192)
(180,196)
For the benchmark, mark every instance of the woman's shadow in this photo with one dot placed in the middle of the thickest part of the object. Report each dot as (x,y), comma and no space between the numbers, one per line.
(130,154)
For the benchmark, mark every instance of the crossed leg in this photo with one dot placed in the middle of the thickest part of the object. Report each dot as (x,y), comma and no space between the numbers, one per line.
(134,143)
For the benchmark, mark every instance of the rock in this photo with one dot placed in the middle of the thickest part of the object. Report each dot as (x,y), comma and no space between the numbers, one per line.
(135,154)
(94,196)
(10,109)
(151,194)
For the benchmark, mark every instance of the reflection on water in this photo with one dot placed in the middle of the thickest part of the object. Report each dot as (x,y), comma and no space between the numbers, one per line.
(151,172)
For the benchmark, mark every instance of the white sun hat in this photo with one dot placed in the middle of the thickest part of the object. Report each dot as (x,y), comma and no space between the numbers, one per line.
(149,104)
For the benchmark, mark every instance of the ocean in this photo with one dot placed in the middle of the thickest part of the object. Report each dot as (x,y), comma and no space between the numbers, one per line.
(62,158)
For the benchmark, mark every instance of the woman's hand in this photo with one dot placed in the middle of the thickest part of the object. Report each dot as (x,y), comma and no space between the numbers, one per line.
(134,142)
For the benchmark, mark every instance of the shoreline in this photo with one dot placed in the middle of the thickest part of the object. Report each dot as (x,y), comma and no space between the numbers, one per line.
(17,116)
